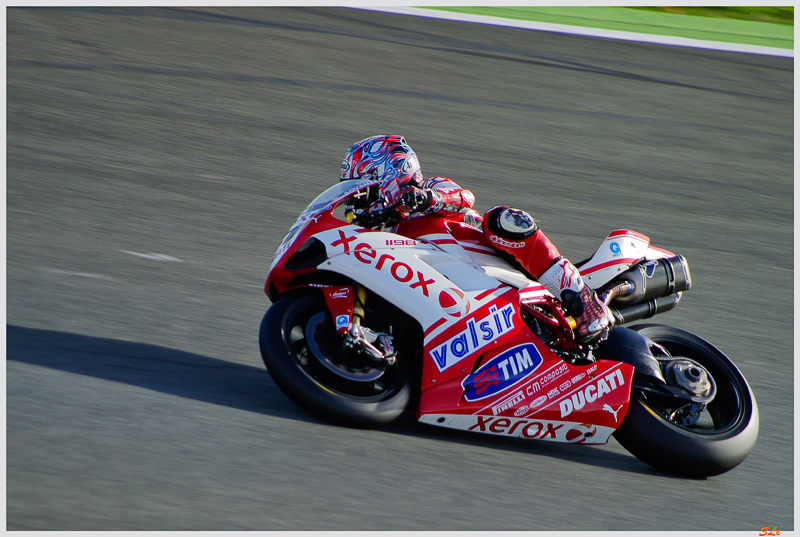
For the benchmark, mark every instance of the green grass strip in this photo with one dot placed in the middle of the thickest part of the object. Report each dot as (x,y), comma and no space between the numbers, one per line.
(723,30)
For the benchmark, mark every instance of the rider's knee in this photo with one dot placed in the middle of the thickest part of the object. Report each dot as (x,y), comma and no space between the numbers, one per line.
(508,223)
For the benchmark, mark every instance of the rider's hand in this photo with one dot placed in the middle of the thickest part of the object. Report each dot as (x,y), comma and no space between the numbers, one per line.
(595,320)
(371,218)
(416,200)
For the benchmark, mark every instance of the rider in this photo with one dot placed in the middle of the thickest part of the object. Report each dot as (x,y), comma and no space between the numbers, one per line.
(391,160)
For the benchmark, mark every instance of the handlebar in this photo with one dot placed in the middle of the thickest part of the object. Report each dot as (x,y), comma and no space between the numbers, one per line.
(371,217)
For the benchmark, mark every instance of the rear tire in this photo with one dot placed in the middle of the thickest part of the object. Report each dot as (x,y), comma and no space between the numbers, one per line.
(723,435)
(301,351)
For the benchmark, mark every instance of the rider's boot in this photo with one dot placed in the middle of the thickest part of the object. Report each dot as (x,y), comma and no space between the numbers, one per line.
(516,233)
(592,316)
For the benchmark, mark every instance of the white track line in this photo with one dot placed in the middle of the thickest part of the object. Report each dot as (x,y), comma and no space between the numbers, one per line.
(154,257)
(590,32)
(79,274)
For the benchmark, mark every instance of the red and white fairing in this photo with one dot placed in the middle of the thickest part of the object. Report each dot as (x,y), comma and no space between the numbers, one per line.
(483,368)
(618,252)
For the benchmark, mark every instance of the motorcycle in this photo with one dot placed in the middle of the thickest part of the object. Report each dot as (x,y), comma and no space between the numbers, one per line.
(428,318)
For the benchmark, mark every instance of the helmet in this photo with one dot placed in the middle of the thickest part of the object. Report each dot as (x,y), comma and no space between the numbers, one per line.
(386,158)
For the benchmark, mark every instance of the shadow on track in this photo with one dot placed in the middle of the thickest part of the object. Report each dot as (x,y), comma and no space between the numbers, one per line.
(153,367)
(242,387)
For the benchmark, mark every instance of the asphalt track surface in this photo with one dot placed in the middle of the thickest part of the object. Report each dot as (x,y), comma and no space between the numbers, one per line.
(156,157)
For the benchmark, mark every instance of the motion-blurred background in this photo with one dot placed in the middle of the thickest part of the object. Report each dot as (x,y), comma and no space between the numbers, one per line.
(156,157)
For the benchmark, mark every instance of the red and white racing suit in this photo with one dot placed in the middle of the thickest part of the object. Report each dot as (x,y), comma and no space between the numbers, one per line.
(515,233)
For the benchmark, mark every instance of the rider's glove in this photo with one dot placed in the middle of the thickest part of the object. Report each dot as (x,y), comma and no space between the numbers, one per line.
(416,200)
(592,316)
(370,219)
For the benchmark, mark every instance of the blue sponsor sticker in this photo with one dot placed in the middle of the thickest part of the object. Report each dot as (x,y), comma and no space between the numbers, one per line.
(502,372)
(477,334)
(615,249)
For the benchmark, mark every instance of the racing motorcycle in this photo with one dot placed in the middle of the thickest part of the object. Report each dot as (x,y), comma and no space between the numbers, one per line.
(427,318)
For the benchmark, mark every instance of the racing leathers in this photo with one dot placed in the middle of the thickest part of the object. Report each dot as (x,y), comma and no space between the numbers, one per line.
(515,233)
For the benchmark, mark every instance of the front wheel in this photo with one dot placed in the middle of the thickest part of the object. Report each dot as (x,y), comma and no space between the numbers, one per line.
(304,356)
(702,438)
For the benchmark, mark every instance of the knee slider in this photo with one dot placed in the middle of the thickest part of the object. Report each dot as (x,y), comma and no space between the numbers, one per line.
(511,224)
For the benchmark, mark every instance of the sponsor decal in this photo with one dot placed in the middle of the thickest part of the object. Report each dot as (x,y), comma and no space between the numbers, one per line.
(477,334)
(615,249)
(508,244)
(580,433)
(542,382)
(547,378)
(592,392)
(570,277)
(342,321)
(552,393)
(521,410)
(532,388)
(609,408)
(554,431)
(453,303)
(508,403)
(538,401)
(502,372)
(517,427)
(577,378)
(400,242)
(565,386)
(340,304)
(400,271)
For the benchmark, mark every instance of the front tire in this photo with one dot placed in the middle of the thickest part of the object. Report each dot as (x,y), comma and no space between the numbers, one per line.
(720,438)
(300,349)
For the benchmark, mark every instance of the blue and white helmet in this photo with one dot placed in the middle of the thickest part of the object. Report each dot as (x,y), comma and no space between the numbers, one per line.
(386,158)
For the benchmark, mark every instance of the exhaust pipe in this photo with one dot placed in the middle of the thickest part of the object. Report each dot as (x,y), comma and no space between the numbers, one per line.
(654,279)
(649,289)
(644,310)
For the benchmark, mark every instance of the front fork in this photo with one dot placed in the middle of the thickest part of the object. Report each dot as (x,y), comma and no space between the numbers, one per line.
(347,307)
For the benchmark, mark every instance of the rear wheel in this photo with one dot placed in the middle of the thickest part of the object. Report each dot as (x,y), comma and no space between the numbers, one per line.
(304,355)
(707,436)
